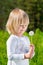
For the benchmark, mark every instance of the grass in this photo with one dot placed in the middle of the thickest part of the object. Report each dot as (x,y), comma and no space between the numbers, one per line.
(37,40)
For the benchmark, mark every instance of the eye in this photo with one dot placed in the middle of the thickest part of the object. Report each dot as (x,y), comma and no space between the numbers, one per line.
(20,25)
(23,25)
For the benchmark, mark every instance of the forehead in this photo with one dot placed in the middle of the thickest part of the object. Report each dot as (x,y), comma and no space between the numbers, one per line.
(24,23)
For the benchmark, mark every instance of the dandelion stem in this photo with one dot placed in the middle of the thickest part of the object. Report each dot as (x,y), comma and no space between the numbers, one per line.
(31,39)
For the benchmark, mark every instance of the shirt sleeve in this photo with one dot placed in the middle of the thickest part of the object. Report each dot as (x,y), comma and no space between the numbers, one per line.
(11,48)
(28,42)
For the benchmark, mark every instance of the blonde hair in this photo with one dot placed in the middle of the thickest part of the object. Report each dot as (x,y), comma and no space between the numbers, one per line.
(16,17)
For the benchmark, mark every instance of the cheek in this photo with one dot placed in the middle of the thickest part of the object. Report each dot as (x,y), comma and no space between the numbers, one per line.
(20,28)
(26,28)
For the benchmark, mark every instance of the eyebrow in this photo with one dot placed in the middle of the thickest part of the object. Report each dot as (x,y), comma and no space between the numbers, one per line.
(23,24)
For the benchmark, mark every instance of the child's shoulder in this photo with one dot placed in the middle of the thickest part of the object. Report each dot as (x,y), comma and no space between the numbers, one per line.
(11,38)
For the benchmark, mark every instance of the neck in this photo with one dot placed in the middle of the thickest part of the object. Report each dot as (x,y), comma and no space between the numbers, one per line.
(17,34)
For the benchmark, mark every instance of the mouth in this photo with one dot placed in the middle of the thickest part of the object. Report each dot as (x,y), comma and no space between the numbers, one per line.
(21,31)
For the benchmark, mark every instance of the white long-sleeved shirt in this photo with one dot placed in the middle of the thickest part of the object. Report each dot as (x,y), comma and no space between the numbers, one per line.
(16,48)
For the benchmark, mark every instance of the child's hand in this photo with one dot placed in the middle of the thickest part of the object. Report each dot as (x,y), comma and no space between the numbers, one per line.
(30,53)
(32,48)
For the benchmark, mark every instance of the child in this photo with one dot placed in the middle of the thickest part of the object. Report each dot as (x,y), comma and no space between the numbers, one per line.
(19,49)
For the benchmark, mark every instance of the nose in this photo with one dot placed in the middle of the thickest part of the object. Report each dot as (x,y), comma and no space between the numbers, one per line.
(23,26)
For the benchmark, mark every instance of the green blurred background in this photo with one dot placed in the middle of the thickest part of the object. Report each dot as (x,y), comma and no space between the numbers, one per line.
(34,8)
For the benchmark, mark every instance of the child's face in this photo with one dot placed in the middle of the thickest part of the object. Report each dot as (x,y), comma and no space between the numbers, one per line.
(21,29)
